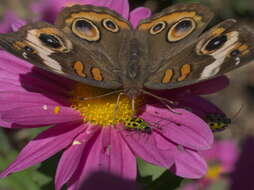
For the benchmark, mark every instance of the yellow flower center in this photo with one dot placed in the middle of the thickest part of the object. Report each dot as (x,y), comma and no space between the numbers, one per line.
(105,110)
(214,172)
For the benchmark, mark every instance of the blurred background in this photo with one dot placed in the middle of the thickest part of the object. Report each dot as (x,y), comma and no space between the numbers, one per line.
(231,162)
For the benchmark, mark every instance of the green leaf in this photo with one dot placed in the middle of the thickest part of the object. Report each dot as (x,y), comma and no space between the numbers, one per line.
(5,144)
(150,171)
(218,185)
(167,181)
(28,179)
(48,168)
(152,177)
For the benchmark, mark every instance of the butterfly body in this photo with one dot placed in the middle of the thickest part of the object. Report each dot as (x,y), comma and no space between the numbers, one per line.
(98,47)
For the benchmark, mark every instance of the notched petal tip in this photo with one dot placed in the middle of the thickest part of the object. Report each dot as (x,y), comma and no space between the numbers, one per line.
(183,128)
(189,164)
(139,14)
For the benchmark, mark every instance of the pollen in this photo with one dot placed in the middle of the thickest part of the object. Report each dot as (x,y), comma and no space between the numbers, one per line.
(57,110)
(214,172)
(98,109)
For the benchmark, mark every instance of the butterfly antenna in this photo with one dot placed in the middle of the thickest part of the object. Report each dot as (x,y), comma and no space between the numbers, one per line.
(133,106)
(101,96)
(117,104)
(237,113)
(164,101)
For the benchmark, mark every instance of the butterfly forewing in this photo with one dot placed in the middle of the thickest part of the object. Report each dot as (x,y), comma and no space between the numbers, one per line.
(49,48)
(98,47)
(224,47)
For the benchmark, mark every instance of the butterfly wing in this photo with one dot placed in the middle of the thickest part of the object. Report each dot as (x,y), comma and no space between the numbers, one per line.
(82,48)
(186,56)
(109,41)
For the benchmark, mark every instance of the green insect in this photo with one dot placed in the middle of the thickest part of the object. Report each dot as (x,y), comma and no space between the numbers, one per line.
(137,124)
(217,122)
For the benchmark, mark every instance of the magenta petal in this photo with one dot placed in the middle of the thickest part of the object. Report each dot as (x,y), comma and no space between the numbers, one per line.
(12,64)
(120,6)
(109,154)
(40,115)
(44,146)
(189,164)
(71,161)
(210,86)
(139,14)
(224,152)
(146,147)
(8,98)
(4,123)
(184,128)
(18,24)
(68,164)
(199,105)
(9,18)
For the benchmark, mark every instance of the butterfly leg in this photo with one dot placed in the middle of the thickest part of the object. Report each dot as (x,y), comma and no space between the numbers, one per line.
(164,101)
(117,105)
(133,107)
(101,96)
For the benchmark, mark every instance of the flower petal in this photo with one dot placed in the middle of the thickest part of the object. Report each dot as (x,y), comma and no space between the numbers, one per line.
(210,86)
(9,18)
(120,6)
(225,152)
(68,164)
(10,99)
(18,24)
(41,115)
(44,146)
(110,154)
(182,127)
(189,164)
(146,147)
(139,14)
(13,64)
(73,156)
(199,105)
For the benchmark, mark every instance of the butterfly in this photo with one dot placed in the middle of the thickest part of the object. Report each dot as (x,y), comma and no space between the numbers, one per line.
(98,47)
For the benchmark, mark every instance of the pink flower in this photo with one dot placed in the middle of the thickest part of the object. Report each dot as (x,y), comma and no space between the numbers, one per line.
(10,22)
(221,160)
(48,9)
(93,139)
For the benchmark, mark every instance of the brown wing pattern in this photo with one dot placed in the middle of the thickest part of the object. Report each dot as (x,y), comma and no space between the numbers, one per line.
(225,47)
(49,48)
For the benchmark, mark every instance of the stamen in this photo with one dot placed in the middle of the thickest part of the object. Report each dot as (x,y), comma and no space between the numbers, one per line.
(103,107)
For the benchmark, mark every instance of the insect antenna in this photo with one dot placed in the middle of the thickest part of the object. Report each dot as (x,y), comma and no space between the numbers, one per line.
(237,113)
(164,101)
(103,95)
(117,104)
